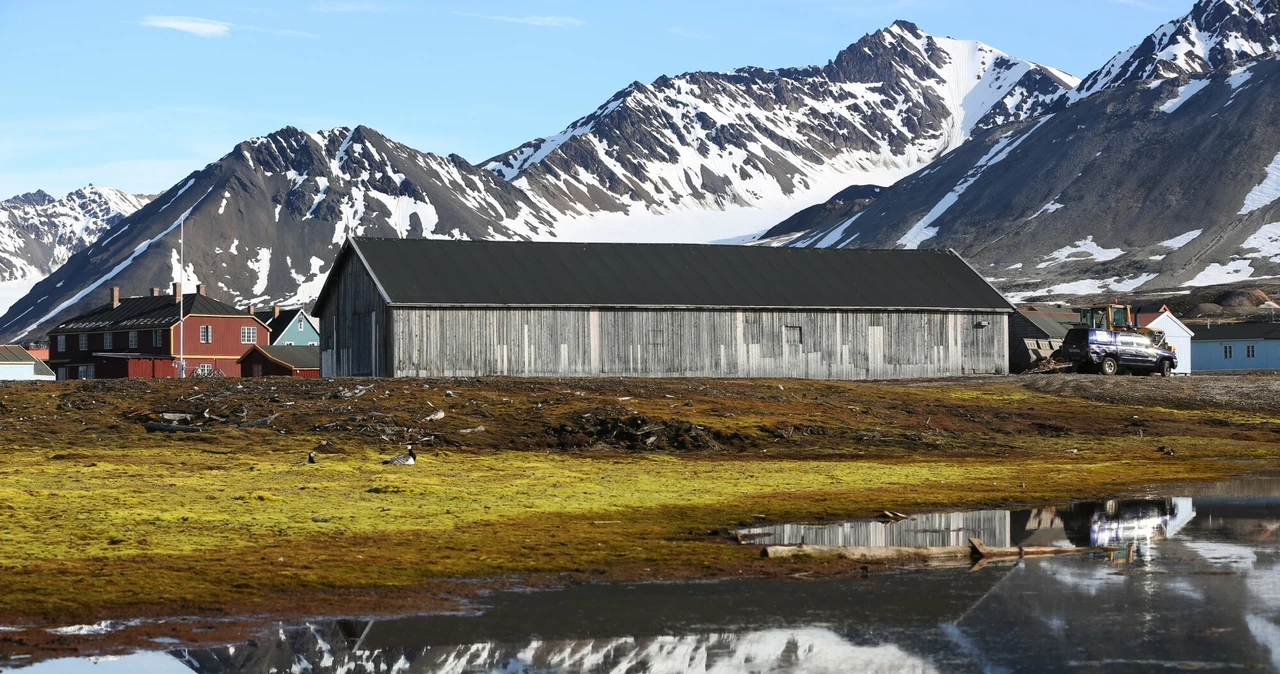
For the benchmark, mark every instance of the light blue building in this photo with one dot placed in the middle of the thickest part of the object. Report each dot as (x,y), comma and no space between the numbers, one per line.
(290,327)
(1236,346)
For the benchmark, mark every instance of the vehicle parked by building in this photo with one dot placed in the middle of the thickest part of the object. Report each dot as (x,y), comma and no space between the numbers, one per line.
(1110,352)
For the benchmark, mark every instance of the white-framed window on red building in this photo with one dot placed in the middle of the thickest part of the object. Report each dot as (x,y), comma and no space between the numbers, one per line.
(206,334)
(248,334)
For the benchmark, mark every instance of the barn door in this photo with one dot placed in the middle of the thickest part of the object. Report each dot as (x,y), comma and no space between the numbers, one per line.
(362,346)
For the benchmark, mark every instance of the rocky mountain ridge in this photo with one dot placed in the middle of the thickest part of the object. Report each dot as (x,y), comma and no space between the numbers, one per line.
(264,222)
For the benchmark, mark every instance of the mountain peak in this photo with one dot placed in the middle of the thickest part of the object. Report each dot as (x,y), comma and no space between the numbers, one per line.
(1213,35)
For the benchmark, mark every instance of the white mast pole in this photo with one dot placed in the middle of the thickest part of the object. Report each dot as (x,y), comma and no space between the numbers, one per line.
(182,324)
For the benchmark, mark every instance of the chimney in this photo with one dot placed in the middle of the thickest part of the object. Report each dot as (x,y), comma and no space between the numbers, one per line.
(199,288)
(253,309)
(177,291)
(275,311)
(115,296)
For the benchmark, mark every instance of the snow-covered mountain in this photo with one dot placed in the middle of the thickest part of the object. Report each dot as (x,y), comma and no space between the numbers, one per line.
(39,233)
(751,142)
(1154,179)
(1214,34)
(699,157)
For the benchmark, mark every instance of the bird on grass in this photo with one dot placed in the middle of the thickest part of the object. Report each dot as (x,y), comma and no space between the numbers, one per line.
(311,458)
(403,459)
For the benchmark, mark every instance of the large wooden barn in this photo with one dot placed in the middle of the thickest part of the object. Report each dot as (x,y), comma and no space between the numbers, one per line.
(425,308)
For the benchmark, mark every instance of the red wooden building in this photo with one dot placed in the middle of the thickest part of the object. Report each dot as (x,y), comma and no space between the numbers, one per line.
(281,361)
(139,337)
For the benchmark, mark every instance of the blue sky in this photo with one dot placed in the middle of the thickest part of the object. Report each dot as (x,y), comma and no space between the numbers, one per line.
(136,94)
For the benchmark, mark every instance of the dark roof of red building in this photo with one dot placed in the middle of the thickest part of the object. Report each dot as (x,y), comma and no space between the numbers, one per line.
(145,313)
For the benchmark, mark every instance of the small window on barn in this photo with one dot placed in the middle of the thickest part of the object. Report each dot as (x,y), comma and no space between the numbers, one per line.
(204,370)
(1226,351)
(299,324)
(248,334)
(792,334)
(206,334)
(1249,351)
(108,341)
(133,339)
(62,342)
(84,343)
(157,338)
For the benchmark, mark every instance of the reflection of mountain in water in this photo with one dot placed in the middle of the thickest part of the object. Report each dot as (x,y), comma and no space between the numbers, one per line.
(1203,592)
(812,649)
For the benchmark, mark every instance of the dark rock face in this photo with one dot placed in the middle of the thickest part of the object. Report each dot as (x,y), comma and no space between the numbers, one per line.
(845,204)
(1135,187)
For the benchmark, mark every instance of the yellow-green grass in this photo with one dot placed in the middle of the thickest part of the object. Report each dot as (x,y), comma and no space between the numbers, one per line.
(109,521)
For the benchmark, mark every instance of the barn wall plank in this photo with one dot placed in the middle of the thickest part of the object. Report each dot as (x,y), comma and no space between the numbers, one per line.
(573,342)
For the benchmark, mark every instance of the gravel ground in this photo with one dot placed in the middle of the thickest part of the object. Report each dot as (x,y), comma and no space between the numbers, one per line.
(1243,392)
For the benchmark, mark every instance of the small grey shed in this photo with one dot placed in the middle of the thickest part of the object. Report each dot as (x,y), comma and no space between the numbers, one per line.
(430,308)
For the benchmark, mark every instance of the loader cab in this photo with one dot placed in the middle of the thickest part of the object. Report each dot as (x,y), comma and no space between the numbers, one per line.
(1107,317)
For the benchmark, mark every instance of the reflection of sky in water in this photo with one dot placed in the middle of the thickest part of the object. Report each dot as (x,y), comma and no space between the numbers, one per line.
(1204,588)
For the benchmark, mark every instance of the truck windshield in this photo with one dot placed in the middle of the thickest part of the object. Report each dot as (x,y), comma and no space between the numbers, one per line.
(1120,317)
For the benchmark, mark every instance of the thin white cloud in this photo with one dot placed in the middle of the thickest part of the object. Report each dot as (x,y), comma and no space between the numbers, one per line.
(346,7)
(189,24)
(681,31)
(542,21)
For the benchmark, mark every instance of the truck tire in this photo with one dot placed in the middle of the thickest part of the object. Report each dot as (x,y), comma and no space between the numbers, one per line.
(1165,368)
(1109,366)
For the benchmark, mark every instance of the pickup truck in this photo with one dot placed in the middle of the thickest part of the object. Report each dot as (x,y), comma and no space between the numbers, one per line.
(1111,352)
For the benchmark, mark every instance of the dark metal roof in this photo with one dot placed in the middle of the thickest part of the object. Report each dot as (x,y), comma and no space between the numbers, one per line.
(297,357)
(1218,332)
(278,324)
(144,313)
(1047,323)
(491,273)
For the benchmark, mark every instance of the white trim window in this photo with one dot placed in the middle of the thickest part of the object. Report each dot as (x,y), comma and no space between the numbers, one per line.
(1226,352)
(84,342)
(86,372)
(206,334)
(62,343)
(248,334)
(205,369)
(1250,351)
(133,339)
(108,341)
(157,338)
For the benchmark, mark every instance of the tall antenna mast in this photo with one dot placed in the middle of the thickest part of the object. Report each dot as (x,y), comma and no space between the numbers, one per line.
(182,323)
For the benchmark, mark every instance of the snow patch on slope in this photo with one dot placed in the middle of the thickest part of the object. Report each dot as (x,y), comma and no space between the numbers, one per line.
(1267,191)
(1179,241)
(1084,249)
(1185,93)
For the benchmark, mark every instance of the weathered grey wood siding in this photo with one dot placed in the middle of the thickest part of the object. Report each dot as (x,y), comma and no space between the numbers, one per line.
(354,340)
(577,342)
